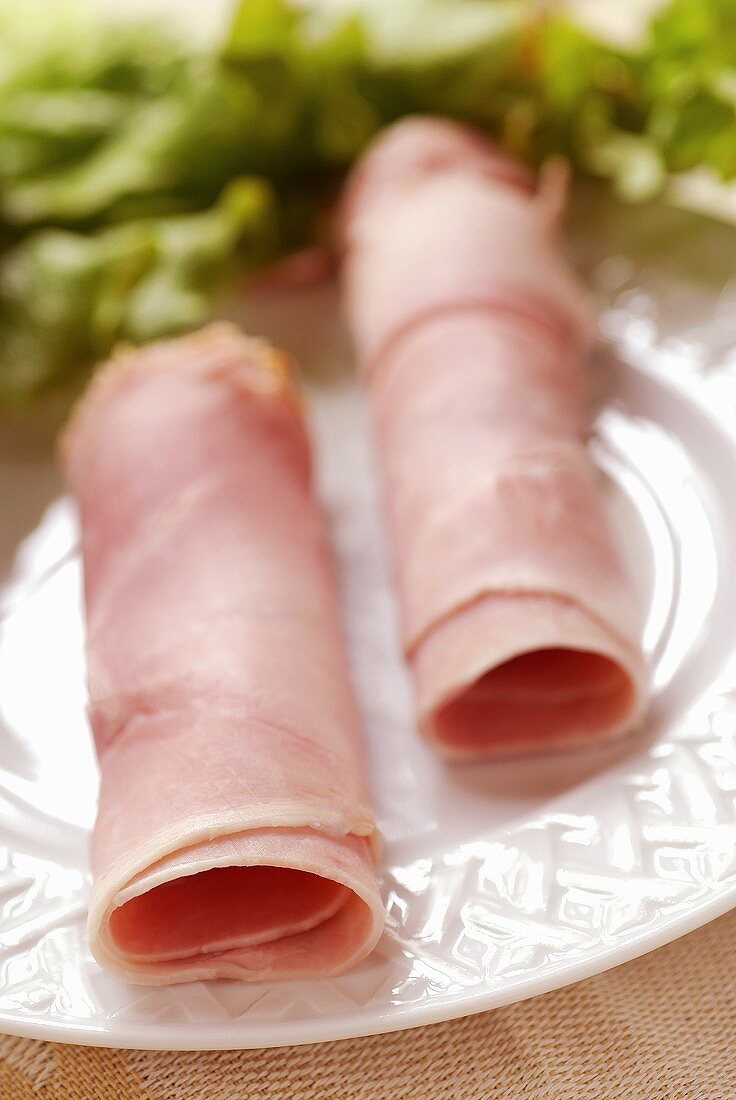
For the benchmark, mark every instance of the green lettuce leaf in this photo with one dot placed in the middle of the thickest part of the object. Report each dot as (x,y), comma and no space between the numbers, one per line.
(66,298)
(137,171)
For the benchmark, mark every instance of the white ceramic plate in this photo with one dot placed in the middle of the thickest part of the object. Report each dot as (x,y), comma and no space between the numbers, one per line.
(500,881)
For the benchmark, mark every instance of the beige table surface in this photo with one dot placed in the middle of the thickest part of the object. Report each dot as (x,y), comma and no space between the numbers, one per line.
(660,1028)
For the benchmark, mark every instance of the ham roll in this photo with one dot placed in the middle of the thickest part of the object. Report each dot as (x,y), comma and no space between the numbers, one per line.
(520,624)
(234,836)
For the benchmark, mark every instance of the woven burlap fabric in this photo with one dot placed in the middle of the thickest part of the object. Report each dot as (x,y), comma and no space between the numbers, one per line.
(660,1028)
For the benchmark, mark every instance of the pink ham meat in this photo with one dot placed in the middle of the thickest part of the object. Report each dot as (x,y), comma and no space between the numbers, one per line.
(234,832)
(520,624)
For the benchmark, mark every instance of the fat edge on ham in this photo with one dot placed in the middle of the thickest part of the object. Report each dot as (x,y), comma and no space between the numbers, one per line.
(520,624)
(234,835)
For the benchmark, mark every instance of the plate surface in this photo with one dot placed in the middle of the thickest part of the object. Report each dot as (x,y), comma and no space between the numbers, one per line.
(500,881)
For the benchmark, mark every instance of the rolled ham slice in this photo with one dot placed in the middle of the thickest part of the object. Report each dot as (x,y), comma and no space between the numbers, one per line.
(520,624)
(234,836)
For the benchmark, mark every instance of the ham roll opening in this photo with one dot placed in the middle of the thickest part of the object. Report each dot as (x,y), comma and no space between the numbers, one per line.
(234,835)
(520,624)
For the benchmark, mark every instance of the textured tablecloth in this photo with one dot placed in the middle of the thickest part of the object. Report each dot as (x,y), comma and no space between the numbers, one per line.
(660,1028)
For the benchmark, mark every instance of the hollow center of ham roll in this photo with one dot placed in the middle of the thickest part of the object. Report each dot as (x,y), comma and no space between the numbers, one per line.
(256,903)
(546,694)
(522,671)
(224,908)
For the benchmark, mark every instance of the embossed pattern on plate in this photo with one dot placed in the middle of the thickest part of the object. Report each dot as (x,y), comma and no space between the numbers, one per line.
(500,881)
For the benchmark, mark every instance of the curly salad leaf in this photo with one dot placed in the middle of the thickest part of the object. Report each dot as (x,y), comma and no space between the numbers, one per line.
(137,172)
